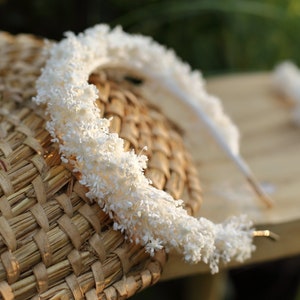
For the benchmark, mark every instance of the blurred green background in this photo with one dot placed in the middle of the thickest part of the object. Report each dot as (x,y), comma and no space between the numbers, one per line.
(215,36)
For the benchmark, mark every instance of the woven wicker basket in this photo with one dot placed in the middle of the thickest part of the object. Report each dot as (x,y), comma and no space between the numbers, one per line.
(55,243)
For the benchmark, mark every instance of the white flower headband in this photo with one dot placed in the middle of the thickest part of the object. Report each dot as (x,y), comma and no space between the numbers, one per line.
(115,178)
(286,79)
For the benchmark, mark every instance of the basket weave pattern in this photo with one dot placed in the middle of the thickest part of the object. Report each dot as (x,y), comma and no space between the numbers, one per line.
(55,243)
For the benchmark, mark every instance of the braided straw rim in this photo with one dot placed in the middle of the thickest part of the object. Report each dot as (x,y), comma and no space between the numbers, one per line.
(53,243)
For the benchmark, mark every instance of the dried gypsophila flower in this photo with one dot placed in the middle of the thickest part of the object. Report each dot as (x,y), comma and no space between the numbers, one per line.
(115,178)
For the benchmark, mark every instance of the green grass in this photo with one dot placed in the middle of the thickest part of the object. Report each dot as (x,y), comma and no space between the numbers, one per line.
(216,36)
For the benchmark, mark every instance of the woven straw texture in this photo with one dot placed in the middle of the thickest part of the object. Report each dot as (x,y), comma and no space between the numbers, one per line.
(55,243)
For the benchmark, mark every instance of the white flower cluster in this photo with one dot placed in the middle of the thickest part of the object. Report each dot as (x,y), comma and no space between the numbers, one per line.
(286,79)
(115,178)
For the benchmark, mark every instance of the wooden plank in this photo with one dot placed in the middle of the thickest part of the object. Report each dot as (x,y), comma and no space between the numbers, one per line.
(270,143)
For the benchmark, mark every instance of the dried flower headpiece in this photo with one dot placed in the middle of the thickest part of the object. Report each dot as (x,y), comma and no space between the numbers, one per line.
(286,79)
(115,178)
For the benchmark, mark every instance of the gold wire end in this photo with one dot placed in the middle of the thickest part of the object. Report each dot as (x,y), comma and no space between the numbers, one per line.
(266,233)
